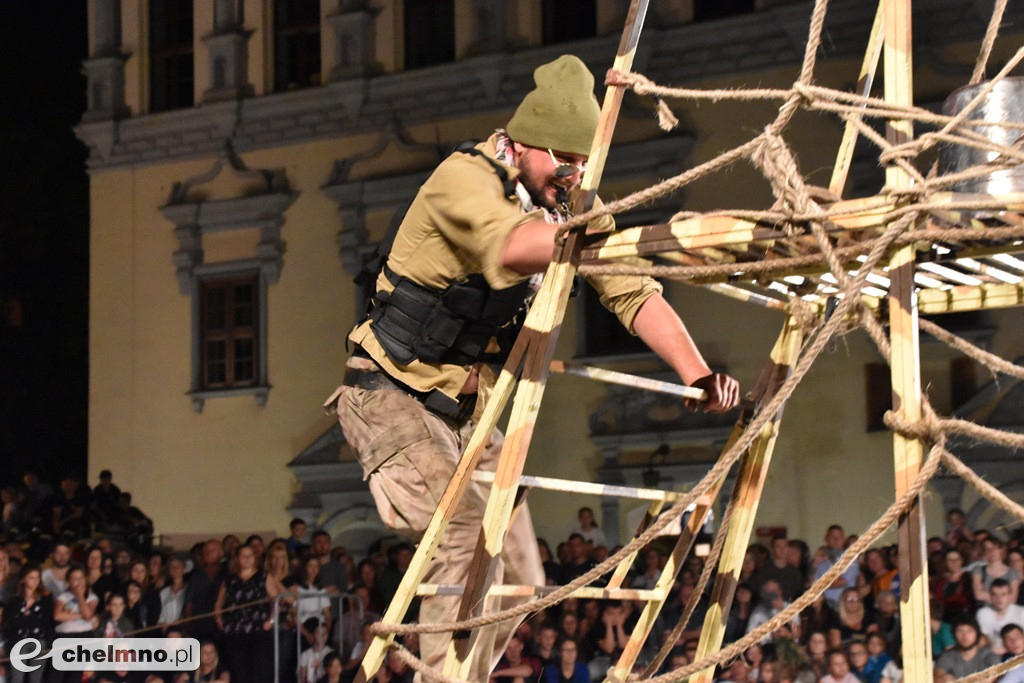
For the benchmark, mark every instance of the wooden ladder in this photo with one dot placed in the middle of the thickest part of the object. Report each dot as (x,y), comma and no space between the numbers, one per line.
(526,371)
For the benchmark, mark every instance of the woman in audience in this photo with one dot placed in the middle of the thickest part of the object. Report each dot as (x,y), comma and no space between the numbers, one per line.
(101,583)
(243,615)
(853,622)
(210,669)
(332,669)
(739,615)
(29,614)
(74,611)
(953,588)
(568,670)
(994,567)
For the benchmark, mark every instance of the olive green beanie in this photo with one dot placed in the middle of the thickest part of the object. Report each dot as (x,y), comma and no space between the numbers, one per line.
(561,112)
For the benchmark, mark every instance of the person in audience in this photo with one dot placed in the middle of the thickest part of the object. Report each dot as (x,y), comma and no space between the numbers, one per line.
(311,662)
(994,567)
(104,501)
(770,604)
(101,583)
(70,517)
(310,601)
(942,632)
(1013,641)
(515,666)
(588,528)
(210,668)
(739,616)
(147,609)
(333,669)
(778,568)
(172,596)
(243,615)
(74,612)
(1001,611)
(839,669)
(835,544)
(203,588)
(954,588)
(881,667)
(296,541)
(55,575)
(956,528)
(333,575)
(568,669)
(28,614)
(967,656)
(115,623)
(887,619)
(854,622)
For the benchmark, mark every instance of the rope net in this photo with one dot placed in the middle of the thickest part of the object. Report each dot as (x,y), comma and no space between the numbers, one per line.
(847,243)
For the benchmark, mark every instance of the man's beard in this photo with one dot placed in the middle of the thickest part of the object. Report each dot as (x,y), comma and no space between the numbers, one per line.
(527,178)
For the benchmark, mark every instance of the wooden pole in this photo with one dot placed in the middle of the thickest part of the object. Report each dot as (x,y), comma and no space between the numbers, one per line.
(746,497)
(905,366)
(867,77)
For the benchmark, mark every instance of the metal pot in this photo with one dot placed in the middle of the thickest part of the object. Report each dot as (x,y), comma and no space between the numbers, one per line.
(1004,103)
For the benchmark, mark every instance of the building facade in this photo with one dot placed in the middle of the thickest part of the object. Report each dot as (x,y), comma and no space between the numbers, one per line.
(244,155)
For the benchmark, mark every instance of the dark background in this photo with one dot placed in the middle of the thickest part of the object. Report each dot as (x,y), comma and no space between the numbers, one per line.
(44,240)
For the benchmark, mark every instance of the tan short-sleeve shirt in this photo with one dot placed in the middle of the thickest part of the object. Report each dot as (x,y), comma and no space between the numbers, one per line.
(457,226)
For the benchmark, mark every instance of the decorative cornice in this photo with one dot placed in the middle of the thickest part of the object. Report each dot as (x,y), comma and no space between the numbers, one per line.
(771,38)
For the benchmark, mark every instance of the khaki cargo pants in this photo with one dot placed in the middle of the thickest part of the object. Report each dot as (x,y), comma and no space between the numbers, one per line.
(409,455)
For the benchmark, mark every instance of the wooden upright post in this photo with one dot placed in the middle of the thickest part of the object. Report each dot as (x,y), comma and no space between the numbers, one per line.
(906,369)
(746,496)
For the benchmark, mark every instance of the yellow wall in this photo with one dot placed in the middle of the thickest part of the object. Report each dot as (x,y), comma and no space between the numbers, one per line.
(223,468)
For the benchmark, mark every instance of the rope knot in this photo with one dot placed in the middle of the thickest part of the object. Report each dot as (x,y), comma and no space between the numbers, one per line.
(928,428)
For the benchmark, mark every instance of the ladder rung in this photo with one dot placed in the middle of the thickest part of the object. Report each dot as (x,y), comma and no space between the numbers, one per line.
(520,591)
(587,488)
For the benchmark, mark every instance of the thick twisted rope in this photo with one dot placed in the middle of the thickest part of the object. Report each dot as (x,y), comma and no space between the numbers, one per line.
(930,428)
(863,542)
(990,39)
(994,363)
(891,515)
(710,562)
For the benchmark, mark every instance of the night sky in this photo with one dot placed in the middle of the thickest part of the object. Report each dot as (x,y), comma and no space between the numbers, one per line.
(44,240)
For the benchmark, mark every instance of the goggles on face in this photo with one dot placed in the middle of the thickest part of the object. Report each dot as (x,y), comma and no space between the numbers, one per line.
(564,169)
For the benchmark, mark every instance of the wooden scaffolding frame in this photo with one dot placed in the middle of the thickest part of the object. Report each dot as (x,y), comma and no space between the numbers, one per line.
(710,238)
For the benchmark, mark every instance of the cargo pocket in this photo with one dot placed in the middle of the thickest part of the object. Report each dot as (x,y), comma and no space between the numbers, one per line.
(404,433)
(378,424)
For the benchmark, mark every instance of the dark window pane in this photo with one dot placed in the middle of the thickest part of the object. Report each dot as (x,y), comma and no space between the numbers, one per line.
(429,32)
(296,44)
(171,55)
(230,320)
(566,20)
(245,361)
(216,362)
(215,302)
(245,301)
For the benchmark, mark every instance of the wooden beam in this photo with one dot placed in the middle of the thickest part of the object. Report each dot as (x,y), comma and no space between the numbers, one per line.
(746,497)
(844,158)
(905,365)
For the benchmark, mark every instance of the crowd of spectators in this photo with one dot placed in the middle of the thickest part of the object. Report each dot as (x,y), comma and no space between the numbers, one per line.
(318,601)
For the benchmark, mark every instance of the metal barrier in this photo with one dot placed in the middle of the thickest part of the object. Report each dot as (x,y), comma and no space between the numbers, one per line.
(288,604)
